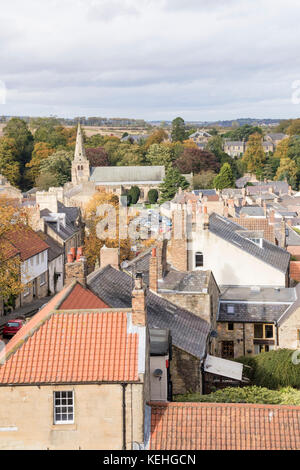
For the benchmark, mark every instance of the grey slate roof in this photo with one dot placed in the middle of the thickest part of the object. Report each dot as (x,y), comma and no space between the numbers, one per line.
(251,313)
(140,264)
(55,250)
(261,294)
(205,192)
(188,331)
(269,253)
(279,187)
(194,281)
(127,174)
(252,211)
(71,215)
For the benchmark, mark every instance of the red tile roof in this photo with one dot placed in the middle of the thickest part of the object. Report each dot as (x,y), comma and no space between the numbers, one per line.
(7,250)
(295,270)
(81,298)
(254,223)
(26,241)
(221,426)
(71,347)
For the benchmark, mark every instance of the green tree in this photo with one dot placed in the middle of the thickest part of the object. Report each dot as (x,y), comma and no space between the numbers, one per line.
(172,182)
(9,164)
(294,127)
(134,194)
(288,170)
(178,132)
(159,155)
(59,166)
(255,157)
(153,196)
(225,178)
(17,130)
(204,180)
(215,146)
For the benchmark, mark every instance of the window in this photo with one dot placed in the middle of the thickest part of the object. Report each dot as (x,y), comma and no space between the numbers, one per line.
(42,279)
(230,326)
(262,331)
(298,338)
(199,260)
(230,309)
(227,349)
(63,407)
(42,256)
(26,292)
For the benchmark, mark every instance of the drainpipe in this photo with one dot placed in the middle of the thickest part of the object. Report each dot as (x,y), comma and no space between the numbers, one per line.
(244,339)
(124,416)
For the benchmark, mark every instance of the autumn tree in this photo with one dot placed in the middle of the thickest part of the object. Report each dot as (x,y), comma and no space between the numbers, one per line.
(196,161)
(159,154)
(282,148)
(254,157)
(41,151)
(294,127)
(9,163)
(93,216)
(157,137)
(204,180)
(97,156)
(288,170)
(10,264)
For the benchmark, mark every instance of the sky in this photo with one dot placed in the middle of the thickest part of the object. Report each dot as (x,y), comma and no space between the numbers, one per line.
(150,59)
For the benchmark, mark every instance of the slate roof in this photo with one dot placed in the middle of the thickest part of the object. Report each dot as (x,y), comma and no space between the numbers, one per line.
(72,213)
(70,346)
(194,281)
(266,304)
(127,174)
(55,249)
(252,211)
(269,253)
(224,426)
(140,264)
(278,187)
(188,331)
(251,313)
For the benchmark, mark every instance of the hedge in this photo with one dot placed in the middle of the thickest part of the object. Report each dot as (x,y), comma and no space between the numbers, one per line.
(273,369)
(253,394)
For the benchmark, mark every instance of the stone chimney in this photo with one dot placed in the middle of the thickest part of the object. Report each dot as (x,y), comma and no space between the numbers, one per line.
(109,256)
(76,270)
(153,271)
(161,251)
(139,310)
(206,218)
(283,234)
(272,216)
(178,249)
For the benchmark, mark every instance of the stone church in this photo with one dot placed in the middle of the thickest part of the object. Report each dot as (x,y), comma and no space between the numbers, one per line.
(116,179)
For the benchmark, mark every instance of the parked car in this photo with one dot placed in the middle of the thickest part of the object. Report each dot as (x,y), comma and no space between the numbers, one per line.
(12,327)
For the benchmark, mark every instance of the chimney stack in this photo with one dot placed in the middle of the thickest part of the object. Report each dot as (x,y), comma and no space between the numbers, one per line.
(109,256)
(205,218)
(283,234)
(76,270)
(139,311)
(153,271)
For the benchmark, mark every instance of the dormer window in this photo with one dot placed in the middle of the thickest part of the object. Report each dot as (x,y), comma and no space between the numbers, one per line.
(257,241)
(230,309)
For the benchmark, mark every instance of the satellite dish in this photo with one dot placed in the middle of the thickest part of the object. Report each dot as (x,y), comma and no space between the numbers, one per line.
(158,373)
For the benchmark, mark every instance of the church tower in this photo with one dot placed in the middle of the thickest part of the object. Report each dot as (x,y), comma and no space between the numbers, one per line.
(80,164)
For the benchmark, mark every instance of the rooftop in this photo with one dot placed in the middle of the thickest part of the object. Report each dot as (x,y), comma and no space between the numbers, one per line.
(72,346)
(122,174)
(222,426)
(27,242)
(267,252)
(188,331)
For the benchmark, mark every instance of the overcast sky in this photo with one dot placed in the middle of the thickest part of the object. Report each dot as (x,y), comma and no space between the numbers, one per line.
(151,59)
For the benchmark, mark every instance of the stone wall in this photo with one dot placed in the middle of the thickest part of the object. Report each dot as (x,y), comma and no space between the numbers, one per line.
(199,304)
(288,336)
(240,331)
(185,372)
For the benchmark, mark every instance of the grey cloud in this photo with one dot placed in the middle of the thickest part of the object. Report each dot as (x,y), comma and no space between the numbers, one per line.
(108,10)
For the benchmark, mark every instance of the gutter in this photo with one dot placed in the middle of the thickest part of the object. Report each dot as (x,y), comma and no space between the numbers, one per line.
(124,415)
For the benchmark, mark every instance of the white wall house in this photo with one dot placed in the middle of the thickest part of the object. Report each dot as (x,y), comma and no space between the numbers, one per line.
(237,256)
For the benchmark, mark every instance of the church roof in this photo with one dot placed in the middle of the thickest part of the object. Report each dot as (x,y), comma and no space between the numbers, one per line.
(127,174)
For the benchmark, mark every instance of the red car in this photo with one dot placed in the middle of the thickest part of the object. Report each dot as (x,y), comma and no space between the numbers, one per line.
(12,327)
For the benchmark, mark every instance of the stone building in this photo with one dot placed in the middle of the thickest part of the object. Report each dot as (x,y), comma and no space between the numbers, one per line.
(85,390)
(255,320)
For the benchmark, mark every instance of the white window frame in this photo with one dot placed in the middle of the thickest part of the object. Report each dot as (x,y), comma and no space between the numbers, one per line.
(43,282)
(199,253)
(69,408)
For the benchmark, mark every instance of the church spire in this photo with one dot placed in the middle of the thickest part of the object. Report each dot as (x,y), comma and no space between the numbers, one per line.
(79,149)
